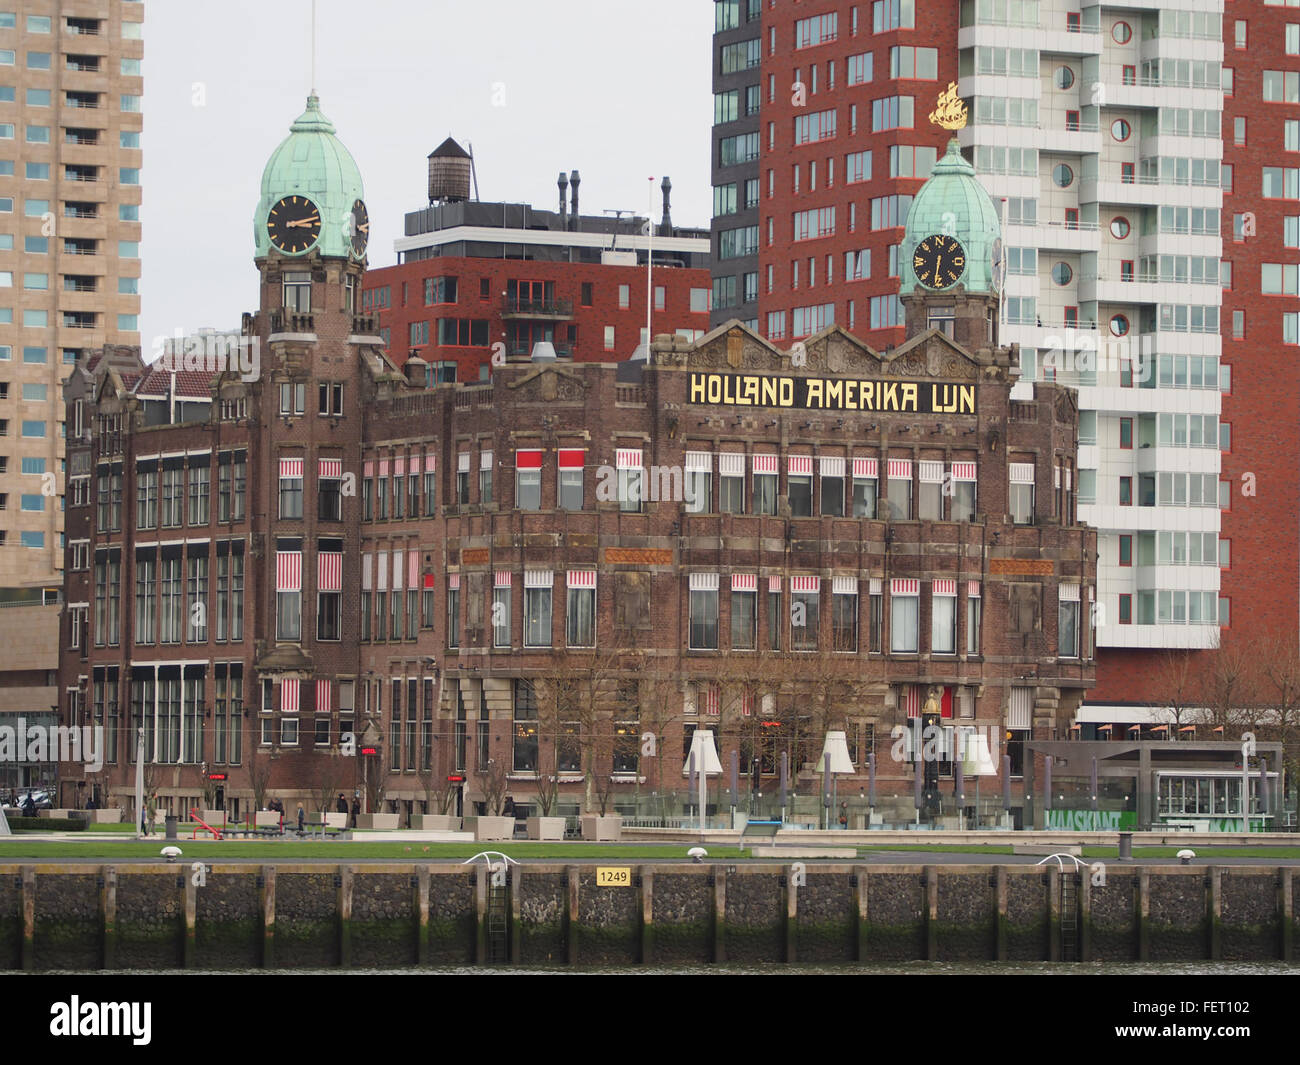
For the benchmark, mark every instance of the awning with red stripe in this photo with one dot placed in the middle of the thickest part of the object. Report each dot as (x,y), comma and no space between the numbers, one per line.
(290,468)
(329,571)
(330,467)
(288,571)
(289,695)
(866,468)
(324,703)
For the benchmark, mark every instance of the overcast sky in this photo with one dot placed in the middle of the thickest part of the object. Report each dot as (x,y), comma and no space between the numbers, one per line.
(617,90)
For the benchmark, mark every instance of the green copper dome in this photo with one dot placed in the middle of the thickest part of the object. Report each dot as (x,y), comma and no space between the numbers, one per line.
(954,203)
(312,162)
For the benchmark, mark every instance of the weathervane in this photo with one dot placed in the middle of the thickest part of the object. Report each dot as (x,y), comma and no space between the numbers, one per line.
(949,112)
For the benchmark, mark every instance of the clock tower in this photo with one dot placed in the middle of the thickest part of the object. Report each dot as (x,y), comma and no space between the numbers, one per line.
(951,256)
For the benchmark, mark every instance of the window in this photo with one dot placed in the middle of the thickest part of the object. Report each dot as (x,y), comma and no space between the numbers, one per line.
(524,744)
(704,612)
(943,617)
(805,613)
(844,614)
(1021,497)
(1062,175)
(973,619)
(1125,550)
(890,112)
(528,480)
(898,490)
(1068,621)
(291,477)
(453,612)
(904,616)
(501,610)
(537,608)
(580,626)
(744,612)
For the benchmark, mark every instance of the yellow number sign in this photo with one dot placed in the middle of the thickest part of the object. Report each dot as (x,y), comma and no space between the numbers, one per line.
(613,876)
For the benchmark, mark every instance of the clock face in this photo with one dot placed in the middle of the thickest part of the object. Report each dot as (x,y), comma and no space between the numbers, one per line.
(293,224)
(359,228)
(998,266)
(939,261)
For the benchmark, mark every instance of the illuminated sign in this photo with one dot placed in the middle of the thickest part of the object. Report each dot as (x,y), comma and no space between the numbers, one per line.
(830,393)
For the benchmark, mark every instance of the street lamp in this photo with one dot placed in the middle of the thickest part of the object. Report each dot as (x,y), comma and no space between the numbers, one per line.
(702,759)
(835,761)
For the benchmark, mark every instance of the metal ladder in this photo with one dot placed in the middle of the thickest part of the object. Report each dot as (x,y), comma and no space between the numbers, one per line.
(498,917)
(1069,915)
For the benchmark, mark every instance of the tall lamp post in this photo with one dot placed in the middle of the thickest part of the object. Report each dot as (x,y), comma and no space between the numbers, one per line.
(703,759)
(835,761)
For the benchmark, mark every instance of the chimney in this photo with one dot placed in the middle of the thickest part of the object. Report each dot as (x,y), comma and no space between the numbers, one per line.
(574,181)
(666,225)
(563,183)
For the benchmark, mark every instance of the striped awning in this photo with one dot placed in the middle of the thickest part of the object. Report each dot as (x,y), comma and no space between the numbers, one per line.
(430,463)
(1068,593)
(900,469)
(485,460)
(806,584)
(462,462)
(413,569)
(731,464)
(367,568)
(1022,472)
(844,586)
(580,578)
(774,585)
(704,582)
(329,571)
(381,571)
(904,586)
(973,589)
(912,699)
(1020,712)
(330,467)
(397,570)
(799,465)
(288,571)
(831,466)
(763,463)
(324,704)
(502,578)
(746,704)
(876,586)
(626,458)
(369,469)
(866,468)
(539,578)
(930,472)
(289,695)
(290,468)
(744,582)
(963,471)
(712,699)
(399,467)
(699,462)
(453,582)
(944,586)
(383,467)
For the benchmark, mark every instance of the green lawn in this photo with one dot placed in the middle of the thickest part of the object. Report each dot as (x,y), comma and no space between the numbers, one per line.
(357,850)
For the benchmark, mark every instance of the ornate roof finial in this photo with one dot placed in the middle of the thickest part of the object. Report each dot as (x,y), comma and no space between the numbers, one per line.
(949,112)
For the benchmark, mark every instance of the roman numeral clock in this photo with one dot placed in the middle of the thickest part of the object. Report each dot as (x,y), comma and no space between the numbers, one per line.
(939,261)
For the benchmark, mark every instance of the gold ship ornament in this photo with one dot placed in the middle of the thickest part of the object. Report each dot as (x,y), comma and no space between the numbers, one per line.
(949,112)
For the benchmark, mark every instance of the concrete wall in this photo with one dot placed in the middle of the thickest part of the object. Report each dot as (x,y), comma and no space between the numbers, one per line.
(149,916)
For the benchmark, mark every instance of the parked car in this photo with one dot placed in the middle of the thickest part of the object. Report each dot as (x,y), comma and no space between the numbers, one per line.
(40,799)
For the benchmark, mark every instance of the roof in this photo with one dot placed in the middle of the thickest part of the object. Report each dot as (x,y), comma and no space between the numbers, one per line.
(449,149)
(190,384)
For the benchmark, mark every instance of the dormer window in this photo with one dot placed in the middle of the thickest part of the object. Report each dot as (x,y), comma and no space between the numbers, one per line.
(297,291)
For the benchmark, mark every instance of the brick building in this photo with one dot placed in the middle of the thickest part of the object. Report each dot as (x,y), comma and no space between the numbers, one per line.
(325,575)
(478,278)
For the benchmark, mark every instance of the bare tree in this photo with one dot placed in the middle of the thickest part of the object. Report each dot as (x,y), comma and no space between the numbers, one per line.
(1230,682)
(494,782)
(1177,675)
(328,774)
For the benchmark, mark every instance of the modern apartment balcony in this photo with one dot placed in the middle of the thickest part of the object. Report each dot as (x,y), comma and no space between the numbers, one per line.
(1056,235)
(547,310)
(518,350)
(1191,637)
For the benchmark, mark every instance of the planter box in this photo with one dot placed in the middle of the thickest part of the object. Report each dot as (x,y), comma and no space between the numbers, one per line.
(387,822)
(111,816)
(548,828)
(266,819)
(491,828)
(435,822)
(214,818)
(335,819)
(607,829)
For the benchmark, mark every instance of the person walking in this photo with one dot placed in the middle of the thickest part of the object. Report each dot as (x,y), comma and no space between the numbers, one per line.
(302,819)
(356,811)
(342,805)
